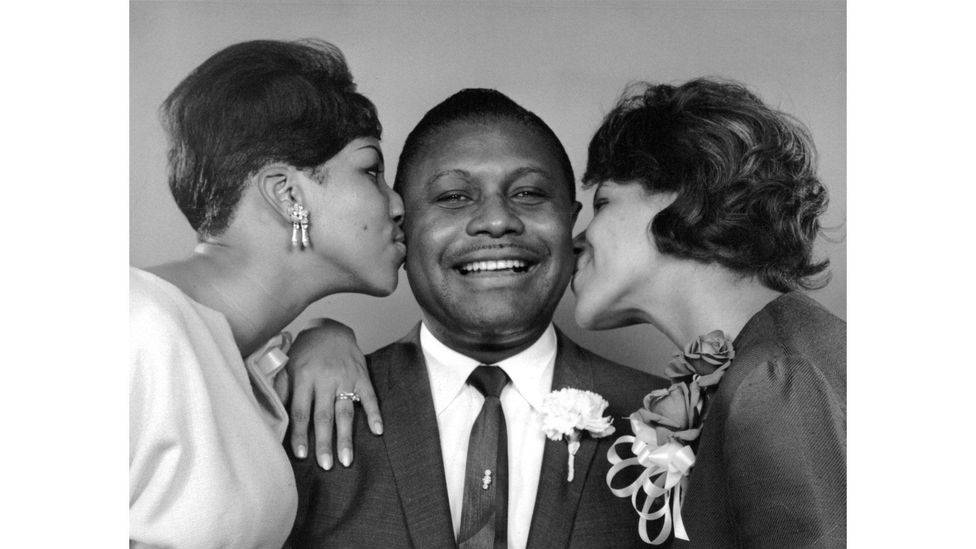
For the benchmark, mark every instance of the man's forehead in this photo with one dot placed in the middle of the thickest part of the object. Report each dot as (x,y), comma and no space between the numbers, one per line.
(465,150)
(510,137)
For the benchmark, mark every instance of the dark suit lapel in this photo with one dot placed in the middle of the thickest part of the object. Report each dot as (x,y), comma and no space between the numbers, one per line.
(413,445)
(556,499)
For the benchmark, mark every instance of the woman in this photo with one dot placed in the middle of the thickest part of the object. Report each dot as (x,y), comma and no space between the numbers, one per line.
(705,214)
(276,163)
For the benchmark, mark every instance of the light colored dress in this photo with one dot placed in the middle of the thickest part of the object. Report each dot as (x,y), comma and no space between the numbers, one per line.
(206,464)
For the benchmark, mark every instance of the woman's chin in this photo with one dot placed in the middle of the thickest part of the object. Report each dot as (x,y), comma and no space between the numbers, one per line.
(377,287)
(590,319)
(387,288)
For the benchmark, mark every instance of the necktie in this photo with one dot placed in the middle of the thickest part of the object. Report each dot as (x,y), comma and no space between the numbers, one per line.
(484,511)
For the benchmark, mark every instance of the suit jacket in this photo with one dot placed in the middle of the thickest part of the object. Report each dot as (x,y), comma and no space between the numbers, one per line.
(771,462)
(395,495)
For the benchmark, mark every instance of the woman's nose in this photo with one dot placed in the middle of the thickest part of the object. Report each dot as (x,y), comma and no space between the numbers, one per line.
(579,243)
(396,206)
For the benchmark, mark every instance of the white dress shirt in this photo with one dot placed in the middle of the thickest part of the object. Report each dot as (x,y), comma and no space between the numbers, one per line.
(458,404)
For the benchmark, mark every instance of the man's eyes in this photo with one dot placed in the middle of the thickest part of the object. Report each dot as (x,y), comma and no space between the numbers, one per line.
(522,196)
(530,196)
(452,198)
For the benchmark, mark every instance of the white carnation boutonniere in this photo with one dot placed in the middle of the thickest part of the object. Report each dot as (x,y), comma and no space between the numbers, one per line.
(567,413)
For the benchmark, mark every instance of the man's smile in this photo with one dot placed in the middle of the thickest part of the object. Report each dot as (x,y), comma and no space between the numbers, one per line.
(496,260)
(495,267)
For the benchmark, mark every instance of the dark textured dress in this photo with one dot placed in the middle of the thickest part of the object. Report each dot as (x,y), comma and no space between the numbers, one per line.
(771,462)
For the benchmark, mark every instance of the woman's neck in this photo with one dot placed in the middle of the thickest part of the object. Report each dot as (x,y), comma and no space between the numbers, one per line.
(255,295)
(707,298)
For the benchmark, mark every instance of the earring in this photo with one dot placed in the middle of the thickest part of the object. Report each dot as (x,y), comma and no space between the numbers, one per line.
(299,219)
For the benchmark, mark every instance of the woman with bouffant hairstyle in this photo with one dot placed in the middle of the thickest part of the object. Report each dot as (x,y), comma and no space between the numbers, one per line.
(706,210)
(276,163)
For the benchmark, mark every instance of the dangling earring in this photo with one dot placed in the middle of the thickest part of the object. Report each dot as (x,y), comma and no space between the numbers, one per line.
(299,219)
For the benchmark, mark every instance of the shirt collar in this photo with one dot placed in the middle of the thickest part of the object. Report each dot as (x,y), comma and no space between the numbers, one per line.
(530,370)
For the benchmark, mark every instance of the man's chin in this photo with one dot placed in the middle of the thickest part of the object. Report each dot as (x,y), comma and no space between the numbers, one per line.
(494,323)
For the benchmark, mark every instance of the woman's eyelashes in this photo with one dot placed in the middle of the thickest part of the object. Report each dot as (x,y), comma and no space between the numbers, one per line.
(599,202)
(375,172)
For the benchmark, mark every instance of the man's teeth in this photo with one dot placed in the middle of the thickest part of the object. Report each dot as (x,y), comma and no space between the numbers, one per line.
(502,265)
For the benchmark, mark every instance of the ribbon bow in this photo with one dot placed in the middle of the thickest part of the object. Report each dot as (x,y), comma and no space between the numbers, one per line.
(669,420)
(665,466)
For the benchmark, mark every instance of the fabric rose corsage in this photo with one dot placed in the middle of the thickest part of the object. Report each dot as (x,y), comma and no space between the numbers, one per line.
(671,413)
(707,357)
(669,421)
(568,413)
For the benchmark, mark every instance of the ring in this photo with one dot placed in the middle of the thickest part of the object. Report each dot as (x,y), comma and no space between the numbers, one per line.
(348,396)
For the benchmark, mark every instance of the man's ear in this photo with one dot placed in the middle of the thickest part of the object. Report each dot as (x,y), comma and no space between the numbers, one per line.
(279,186)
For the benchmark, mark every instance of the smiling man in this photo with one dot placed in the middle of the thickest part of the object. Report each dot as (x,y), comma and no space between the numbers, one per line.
(492,208)
(489,199)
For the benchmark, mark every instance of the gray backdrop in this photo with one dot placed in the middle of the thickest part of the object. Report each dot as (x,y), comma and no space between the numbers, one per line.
(567,61)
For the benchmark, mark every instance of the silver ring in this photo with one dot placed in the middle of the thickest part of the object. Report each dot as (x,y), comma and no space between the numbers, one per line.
(348,396)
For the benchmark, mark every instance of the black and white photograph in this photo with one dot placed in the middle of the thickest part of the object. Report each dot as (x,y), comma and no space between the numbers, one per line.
(487,274)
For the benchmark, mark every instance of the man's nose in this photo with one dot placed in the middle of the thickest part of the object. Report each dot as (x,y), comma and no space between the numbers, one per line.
(496,217)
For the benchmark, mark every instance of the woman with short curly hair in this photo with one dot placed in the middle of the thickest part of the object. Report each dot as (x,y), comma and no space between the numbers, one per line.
(706,209)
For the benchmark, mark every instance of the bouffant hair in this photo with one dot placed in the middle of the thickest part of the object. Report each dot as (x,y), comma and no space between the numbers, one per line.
(253,104)
(744,175)
(480,106)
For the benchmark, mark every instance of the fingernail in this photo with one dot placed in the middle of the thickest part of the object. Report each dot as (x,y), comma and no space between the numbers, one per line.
(325,461)
(301,452)
(345,456)
(378,427)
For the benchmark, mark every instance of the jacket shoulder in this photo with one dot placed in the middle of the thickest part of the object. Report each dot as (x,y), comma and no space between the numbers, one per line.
(622,386)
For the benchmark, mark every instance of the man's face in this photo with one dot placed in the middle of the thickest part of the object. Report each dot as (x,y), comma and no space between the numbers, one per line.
(488,228)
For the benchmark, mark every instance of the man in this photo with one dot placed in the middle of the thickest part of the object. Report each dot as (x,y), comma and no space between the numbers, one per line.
(490,205)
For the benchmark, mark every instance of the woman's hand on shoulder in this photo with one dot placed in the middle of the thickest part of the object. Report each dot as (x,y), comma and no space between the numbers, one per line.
(323,362)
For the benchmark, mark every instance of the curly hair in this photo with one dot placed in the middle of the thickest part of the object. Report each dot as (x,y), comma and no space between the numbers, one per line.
(747,193)
(477,105)
(253,104)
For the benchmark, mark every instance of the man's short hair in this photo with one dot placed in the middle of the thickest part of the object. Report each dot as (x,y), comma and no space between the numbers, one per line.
(253,104)
(478,106)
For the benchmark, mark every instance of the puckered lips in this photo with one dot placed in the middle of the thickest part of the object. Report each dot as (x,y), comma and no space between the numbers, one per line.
(496,260)
(399,241)
(582,261)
